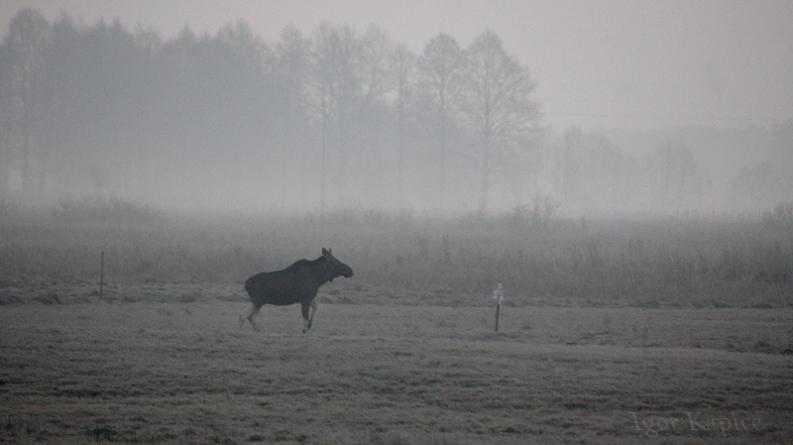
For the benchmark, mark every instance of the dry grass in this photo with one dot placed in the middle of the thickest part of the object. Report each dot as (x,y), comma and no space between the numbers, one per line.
(680,262)
(382,374)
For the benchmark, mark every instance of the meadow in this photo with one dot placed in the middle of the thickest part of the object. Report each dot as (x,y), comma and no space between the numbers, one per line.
(691,261)
(664,330)
(379,374)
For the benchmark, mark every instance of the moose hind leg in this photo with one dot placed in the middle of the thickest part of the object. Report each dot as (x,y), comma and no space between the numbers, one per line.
(306,322)
(254,312)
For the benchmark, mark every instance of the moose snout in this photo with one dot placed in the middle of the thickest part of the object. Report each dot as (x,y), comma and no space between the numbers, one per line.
(347,272)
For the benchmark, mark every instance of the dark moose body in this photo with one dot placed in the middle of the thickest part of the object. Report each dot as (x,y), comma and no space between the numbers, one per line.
(297,283)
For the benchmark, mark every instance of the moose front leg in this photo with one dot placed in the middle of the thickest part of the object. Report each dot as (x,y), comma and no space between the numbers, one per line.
(306,321)
(313,312)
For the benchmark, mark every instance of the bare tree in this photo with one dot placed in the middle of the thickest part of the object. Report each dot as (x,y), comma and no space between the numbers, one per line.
(334,52)
(375,48)
(497,102)
(403,67)
(371,112)
(5,124)
(441,77)
(324,78)
(680,174)
(291,72)
(28,33)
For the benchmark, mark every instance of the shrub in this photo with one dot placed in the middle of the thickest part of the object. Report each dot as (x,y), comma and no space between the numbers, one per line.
(102,210)
(779,216)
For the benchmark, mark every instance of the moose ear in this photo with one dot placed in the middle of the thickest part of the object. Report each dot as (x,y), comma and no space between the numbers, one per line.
(325,251)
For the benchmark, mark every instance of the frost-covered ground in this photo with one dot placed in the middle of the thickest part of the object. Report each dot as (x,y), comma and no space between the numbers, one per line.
(147,372)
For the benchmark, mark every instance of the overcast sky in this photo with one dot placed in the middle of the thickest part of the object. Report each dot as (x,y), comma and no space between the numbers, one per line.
(609,64)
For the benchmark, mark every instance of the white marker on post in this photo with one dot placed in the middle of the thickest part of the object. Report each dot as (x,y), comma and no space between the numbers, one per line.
(498,295)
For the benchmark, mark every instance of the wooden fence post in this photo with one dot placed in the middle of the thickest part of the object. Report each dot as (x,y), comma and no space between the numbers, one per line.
(101,272)
(498,313)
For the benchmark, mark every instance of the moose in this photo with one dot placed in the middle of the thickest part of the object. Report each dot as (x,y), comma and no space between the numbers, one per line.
(297,283)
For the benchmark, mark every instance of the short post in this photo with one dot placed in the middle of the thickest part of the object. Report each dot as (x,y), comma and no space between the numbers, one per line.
(498,295)
(101,272)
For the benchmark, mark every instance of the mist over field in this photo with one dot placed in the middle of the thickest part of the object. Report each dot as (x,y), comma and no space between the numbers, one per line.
(515,221)
(306,119)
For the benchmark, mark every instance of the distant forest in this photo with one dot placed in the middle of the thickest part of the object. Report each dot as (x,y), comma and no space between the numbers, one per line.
(335,118)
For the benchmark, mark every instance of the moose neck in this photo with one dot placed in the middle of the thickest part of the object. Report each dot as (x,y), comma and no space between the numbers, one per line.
(324,272)
(327,275)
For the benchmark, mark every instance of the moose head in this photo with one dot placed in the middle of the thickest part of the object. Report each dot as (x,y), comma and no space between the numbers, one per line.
(333,266)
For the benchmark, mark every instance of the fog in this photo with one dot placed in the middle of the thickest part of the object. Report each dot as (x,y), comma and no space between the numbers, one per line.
(434,108)
(515,221)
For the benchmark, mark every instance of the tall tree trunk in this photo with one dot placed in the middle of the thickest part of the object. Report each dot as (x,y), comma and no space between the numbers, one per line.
(566,168)
(400,150)
(4,162)
(324,155)
(485,187)
(486,153)
(286,156)
(442,179)
(341,178)
(28,178)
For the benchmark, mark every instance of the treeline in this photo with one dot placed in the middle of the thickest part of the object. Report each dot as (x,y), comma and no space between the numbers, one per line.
(336,118)
(688,170)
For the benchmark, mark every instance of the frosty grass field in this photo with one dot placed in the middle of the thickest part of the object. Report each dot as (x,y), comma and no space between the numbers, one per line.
(183,372)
